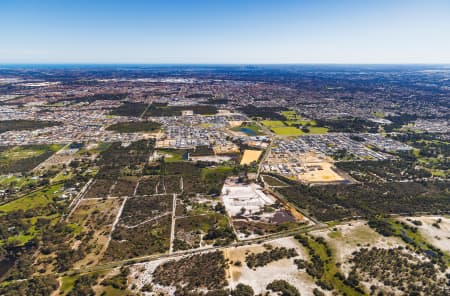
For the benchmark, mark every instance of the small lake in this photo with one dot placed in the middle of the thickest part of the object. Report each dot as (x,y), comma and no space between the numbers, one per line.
(247,131)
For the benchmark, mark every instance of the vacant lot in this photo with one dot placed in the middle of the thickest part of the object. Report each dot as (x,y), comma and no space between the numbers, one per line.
(321,172)
(250,156)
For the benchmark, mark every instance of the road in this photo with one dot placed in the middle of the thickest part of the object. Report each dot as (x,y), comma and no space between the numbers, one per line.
(76,201)
(259,240)
(172,228)
(113,227)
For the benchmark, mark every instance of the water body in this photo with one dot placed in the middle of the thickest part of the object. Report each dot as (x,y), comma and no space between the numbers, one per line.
(247,131)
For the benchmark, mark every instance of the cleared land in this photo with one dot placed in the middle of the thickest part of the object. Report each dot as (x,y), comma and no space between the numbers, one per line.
(250,156)
(321,172)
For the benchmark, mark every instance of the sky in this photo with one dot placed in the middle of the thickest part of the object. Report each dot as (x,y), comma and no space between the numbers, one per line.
(225,31)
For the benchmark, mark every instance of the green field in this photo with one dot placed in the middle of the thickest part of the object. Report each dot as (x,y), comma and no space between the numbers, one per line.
(288,127)
(172,155)
(287,131)
(303,122)
(24,158)
(293,131)
(9,181)
(317,130)
(33,200)
(290,114)
(272,123)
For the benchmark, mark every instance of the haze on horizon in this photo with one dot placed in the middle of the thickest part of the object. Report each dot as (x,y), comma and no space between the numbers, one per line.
(232,31)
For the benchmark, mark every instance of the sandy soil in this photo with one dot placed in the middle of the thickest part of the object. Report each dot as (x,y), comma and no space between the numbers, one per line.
(260,277)
(439,237)
(351,237)
(250,156)
(324,174)
(212,158)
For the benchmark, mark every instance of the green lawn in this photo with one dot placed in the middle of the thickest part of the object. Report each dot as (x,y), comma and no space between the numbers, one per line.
(23,152)
(61,176)
(68,282)
(33,200)
(290,115)
(293,131)
(220,170)
(172,155)
(15,181)
(272,123)
(287,128)
(317,130)
(287,131)
(302,122)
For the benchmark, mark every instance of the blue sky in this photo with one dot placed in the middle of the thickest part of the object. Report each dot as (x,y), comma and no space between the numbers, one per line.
(225,31)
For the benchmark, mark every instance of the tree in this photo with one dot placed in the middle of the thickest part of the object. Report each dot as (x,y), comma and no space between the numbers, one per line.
(243,290)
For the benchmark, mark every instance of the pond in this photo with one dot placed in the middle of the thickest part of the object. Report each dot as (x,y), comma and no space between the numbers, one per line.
(247,131)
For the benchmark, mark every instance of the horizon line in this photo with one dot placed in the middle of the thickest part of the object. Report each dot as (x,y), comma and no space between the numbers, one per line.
(224,64)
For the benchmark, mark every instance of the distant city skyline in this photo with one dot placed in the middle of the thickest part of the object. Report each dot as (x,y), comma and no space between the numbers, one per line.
(225,32)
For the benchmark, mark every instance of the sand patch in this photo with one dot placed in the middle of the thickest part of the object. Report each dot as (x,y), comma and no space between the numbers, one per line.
(260,277)
(250,156)
(437,236)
